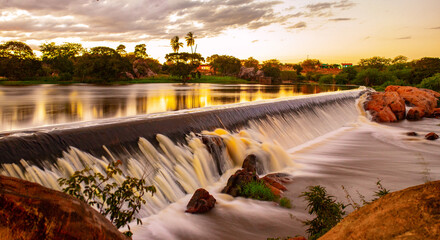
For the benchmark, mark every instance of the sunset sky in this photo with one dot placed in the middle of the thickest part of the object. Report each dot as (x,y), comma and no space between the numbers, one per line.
(290,30)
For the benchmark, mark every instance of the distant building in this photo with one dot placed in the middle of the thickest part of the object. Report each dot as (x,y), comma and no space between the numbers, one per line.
(345,65)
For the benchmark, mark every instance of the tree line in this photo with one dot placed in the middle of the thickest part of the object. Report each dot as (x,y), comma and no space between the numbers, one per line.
(71,61)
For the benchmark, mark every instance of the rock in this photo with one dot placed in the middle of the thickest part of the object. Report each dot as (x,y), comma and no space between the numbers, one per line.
(412,134)
(240,178)
(414,114)
(378,106)
(250,163)
(200,202)
(273,182)
(435,113)
(412,213)
(396,104)
(129,75)
(423,99)
(141,69)
(31,211)
(281,177)
(431,136)
(247,73)
(298,238)
(216,147)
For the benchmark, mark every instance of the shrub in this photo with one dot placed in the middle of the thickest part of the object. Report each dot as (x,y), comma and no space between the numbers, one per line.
(432,83)
(257,190)
(328,212)
(381,191)
(119,202)
(326,79)
(342,78)
(285,203)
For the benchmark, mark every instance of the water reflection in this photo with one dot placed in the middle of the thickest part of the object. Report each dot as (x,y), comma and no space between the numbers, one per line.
(23,107)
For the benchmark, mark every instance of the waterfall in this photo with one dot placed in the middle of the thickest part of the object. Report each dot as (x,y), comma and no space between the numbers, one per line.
(183,151)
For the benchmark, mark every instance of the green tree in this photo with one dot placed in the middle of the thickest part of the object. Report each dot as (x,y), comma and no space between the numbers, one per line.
(176,44)
(16,49)
(272,63)
(140,51)
(182,64)
(310,65)
(251,62)
(298,68)
(190,40)
(347,75)
(372,77)
(326,79)
(225,65)
(432,83)
(425,68)
(121,50)
(379,63)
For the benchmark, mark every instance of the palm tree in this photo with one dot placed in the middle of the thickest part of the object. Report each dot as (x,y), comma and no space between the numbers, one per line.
(175,44)
(190,40)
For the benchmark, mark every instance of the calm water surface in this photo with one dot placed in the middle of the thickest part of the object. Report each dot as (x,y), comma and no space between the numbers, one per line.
(42,105)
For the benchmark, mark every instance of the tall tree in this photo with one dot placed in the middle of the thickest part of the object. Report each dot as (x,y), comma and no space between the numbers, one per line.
(121,50)
(140,51)
(175,44)
(16,49)
(190,40)
(251,62)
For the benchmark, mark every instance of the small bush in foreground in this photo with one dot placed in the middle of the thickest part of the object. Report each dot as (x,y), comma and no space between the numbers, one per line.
(381,191)
(328,212)
(257,190)
(285,203)
(119,202)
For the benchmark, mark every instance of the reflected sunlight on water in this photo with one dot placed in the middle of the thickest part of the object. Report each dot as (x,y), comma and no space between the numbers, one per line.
(32,106)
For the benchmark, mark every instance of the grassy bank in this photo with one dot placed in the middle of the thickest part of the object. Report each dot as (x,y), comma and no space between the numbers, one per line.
(156,79)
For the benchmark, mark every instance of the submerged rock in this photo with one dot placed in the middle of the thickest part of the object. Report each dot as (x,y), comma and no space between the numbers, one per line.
(31,211)
(200,202)
(412,213)
(412,134)
(431,136)
(237,180)
(414,114)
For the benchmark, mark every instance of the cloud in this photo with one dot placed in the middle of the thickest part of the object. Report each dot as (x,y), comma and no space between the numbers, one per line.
(324,9)
(340,19)
(131,20)
(436,28)
(254,41)
(404,38)
(298,25)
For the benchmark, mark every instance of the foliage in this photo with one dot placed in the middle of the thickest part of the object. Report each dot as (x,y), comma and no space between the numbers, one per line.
(182,64)
(251,62)
(142,64)
(16,49)
(119,202)
(326,79)
(425,68)
(273,72)
(140,51)
(395,81)
(381,191)
(190,40)
(379,63)
(225,65)
(289,75)
(328,212)
(351,73)
(65,50)
(310,65)
(257,190)
(16,68)
(342,78)
(275,63)
(372,76)
(176,44)
(285,203)
(121,50)
(432,83)
(313,76)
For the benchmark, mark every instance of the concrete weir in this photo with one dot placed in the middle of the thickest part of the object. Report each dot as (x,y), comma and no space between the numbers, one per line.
(47,144)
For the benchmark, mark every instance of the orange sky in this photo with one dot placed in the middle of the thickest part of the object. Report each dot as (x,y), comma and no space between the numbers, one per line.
(290,30)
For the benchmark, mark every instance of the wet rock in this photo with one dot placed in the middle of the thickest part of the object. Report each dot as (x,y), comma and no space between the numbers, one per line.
(247,73)
(216,147)
(298,238)
(200,202)
(431,136)
(237,180)
(274,183)
(31,211)
(281,177)
(412,134)
(435,113)
(425,100)
(414,114)
(250,163)
(412,213)
(379,106)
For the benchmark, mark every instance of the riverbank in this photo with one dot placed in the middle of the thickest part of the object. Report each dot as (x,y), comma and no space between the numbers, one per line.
(156,79)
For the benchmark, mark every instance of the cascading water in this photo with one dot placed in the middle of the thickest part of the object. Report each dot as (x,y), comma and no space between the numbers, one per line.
(177,167)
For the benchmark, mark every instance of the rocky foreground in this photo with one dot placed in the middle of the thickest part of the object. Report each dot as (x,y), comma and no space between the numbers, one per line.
(412,213)
(31,211)
(392,105)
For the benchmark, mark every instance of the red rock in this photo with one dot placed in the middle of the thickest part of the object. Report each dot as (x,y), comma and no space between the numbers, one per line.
(431,136)
(274,183)
(200,202)
(412,134)
(396,104)
(435,113)
(31,211)
(379,107)
(298,238)
(426,101)
(239,178)
(250,163)
(414,114)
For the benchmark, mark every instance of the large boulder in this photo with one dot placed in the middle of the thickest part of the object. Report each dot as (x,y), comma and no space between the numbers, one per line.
(385,107)
(247,73)
(414,114)
(237,180)
(31,211)
(216,148)
(142,69)
(424,99)
(412,213)
(200,202)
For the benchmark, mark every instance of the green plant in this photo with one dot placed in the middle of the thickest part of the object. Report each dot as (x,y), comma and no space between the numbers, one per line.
(257,190)
(381,191)
(285,203)
(328,212)
(119,202)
